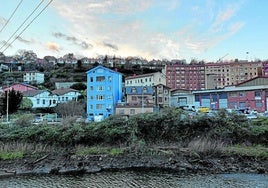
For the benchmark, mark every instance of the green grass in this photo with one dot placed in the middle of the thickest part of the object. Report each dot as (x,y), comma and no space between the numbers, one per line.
(82,151)
(11,155)
(249,151)
(261,128)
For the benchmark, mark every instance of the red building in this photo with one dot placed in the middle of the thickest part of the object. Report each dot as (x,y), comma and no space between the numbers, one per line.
(185,76)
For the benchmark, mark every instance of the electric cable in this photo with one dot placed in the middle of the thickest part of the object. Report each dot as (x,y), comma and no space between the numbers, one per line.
(11,16)
(28,25)
(6,42)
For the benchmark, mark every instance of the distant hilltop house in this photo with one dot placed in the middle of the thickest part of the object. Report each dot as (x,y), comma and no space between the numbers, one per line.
(104,91)
(34,77)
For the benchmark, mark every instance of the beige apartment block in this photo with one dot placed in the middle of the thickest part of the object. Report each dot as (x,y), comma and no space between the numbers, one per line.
(221,74)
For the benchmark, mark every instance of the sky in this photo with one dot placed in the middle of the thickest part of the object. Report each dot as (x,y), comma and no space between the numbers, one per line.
(204,30)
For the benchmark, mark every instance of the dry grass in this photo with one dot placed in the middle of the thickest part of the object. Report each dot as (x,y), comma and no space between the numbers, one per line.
(24,147)
(206,146)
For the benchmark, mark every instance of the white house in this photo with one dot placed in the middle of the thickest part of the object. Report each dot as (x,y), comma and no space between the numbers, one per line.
(65,95)
(41,98)
(150,79)
(34,77)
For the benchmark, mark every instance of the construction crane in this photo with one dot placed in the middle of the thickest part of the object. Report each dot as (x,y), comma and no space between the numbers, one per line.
(222,57)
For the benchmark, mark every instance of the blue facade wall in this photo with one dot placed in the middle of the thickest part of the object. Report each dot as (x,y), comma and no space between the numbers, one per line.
(104,91)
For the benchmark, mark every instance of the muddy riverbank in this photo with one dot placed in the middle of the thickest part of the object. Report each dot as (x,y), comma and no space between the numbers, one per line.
(69,163)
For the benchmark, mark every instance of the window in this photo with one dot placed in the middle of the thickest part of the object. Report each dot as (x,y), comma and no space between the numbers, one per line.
(100,78)
(258,103)
(182,101)
(121,111)
(233,94)
(91,97)
(66,98)
(44,101)
(133,90)
(91,79)
(134,98)
(145,90)
(62,98)
(91,88)
(91,106)
(242,104)
(100,97)
(241,93)
(257,93)
(100,88)
(132,111)
(160,99)
(38,101)
(109,88)
(99,106)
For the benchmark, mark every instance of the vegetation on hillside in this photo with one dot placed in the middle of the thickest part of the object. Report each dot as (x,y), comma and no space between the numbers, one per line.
(170,125)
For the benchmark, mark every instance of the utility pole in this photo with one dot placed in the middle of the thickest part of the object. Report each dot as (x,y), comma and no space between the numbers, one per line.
(142,103)
(7,105)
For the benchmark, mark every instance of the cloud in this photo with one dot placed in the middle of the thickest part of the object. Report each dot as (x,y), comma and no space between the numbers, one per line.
(52,46)
(114,47)
(2,21)
(23,40)
(73,39)
(127,25)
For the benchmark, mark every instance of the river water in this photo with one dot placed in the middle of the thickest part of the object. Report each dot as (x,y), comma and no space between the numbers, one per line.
(144,179)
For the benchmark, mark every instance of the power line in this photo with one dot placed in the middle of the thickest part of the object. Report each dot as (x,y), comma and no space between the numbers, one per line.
(28,25)
(11,16)
(6,42)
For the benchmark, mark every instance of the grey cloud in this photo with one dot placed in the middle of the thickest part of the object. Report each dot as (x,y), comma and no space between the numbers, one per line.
(2,21)
(85,45)
(82,44)
(23,40)
(74,39)
(58,35)
(114,47)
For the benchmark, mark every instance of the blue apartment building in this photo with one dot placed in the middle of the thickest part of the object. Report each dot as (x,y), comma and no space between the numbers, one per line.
(104,91)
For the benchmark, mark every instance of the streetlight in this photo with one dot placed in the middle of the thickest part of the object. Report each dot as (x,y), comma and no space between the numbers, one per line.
(7,105)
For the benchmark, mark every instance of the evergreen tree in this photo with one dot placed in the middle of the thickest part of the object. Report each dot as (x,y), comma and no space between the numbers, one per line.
(14,100)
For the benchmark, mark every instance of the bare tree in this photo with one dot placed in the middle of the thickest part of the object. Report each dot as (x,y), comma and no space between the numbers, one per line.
(69,109)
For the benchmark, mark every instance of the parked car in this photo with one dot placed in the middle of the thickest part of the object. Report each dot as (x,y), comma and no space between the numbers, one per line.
(251,116)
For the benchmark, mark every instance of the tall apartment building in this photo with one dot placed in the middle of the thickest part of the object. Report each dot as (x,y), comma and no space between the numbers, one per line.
(185,76)
(104,91)
(221,74)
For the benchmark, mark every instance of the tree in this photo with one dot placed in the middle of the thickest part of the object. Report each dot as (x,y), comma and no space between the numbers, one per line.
(79,86)
(69,109)
(79,63)
(26,104)
(14,100)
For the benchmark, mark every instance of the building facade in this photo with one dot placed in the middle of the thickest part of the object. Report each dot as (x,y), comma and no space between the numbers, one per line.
(185,76)
(66,95)
(41,98)
(34,77)
(161,95)
(150,79)
(104,91)
(221,74)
